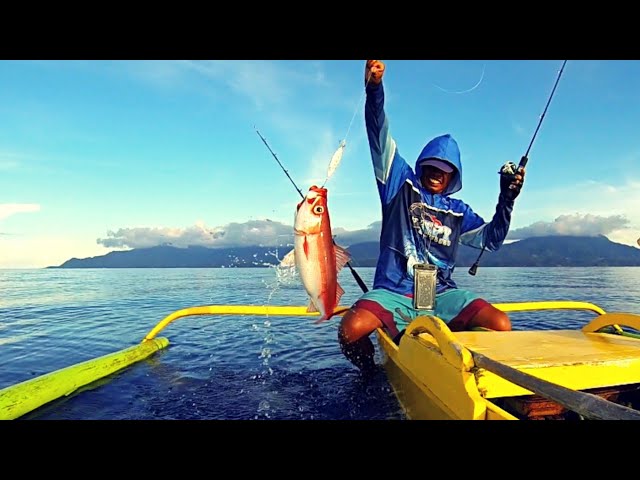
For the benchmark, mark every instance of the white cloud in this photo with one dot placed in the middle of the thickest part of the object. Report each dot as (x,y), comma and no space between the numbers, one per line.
(253,232)
(264,82)
(261,81)
(9,209)
(594,207)
(577,225)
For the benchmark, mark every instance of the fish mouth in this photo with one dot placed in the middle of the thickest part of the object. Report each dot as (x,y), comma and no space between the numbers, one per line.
(321,191)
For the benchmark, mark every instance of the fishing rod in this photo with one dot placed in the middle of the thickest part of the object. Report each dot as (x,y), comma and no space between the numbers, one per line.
(353,272)
(525,157)
(276,157)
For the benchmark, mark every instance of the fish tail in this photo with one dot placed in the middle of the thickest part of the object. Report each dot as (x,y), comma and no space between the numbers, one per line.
(323,318)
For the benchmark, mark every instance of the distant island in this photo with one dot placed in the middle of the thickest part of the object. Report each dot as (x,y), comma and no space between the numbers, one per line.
(551,251)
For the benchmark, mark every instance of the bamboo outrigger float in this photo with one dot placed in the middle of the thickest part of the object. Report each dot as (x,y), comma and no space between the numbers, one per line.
(591,373)
(29,395)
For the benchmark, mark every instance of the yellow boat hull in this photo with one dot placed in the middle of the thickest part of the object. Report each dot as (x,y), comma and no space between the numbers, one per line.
(435,377)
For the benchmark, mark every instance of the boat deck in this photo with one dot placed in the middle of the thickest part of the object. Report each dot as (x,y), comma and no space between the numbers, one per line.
(575,359)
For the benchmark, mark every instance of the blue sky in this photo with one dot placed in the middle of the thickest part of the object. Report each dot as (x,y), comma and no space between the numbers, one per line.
(104,155)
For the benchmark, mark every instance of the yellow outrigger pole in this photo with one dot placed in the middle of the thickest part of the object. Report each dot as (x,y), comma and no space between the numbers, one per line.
(21,398)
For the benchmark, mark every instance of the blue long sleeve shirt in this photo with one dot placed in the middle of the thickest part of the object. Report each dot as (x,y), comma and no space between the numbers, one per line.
(417,226)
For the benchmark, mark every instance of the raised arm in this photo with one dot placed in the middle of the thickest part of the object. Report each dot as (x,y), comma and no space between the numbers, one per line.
(380,141)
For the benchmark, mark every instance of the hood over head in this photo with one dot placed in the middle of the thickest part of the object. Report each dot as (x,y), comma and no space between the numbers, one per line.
(443,148)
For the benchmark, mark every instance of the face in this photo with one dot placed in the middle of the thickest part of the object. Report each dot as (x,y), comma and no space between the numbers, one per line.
(435,180)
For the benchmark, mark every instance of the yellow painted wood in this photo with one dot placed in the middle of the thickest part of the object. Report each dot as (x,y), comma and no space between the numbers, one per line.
(553,305)
(621,319)
(428,358)
(428,368)
(570,358)
(496,413)
(389,348)
(587,404)
(266,310)
(451,349)
(301,311)
(24,397)
(417,401)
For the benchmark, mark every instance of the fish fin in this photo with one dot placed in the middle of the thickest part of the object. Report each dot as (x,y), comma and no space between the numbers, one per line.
(342,257)
(339,293)
(312,307)
(289,260)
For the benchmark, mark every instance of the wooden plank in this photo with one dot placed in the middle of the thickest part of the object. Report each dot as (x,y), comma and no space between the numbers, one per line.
(537,407)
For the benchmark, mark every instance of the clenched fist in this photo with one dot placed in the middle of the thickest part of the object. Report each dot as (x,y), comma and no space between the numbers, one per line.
(373,72)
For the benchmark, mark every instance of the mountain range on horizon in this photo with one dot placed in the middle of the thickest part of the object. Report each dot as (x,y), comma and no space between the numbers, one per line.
(550,251)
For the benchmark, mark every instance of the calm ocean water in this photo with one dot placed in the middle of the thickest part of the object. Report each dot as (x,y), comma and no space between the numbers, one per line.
(235,367)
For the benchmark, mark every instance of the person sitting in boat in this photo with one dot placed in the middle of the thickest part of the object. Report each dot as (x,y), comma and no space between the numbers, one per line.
(421,224)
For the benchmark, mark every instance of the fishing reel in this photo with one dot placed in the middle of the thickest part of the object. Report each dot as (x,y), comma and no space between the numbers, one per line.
(508,186)
(508,173)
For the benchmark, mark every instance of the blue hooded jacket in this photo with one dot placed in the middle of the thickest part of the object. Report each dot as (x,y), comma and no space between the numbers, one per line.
(418,226)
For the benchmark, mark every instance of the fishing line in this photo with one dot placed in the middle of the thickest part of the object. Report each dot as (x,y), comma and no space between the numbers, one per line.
(364,91)
(525,157)
(464,91)
(337,156)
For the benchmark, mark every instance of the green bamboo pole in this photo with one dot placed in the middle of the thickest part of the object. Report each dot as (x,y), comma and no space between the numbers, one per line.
(21,398)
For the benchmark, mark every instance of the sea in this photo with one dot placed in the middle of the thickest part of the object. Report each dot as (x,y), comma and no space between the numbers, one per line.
(236,367)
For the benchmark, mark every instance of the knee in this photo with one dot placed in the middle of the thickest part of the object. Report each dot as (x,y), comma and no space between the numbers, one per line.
(489,317)
(349,331)
(354,325)
(501,321)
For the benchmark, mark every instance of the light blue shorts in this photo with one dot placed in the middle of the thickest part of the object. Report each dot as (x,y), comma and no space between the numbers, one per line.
(455,307)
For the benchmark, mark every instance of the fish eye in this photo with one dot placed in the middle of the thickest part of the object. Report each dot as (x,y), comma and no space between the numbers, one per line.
(318,209)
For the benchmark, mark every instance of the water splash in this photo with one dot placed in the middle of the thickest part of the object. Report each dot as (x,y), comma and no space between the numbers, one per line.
(264,408)
(286,274)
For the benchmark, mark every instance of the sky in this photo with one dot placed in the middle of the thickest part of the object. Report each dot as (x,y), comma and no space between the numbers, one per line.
(97,156)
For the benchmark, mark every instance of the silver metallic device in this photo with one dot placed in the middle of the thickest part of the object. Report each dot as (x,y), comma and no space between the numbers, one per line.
(424,286)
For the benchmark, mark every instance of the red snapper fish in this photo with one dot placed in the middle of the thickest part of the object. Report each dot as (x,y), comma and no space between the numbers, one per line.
(316,257)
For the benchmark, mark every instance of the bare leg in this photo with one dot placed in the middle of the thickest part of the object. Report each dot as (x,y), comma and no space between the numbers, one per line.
(353,335)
